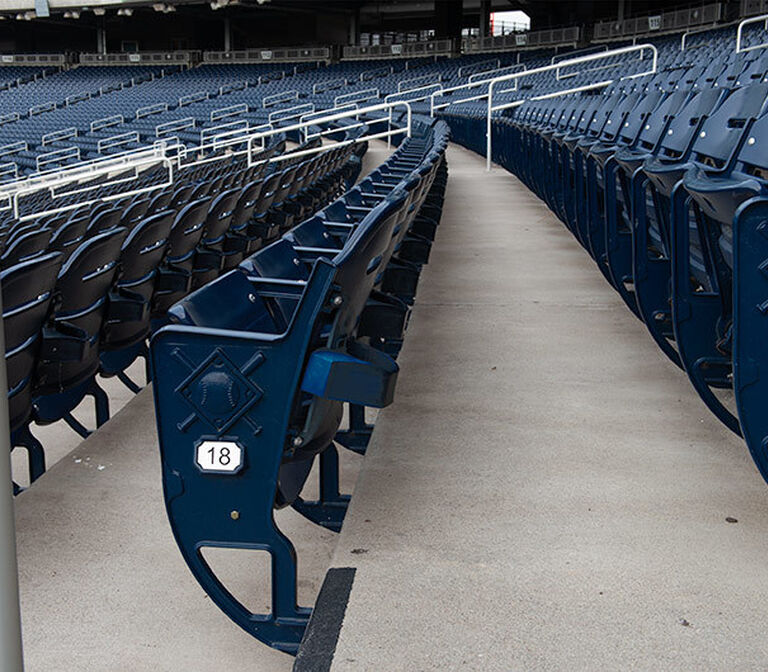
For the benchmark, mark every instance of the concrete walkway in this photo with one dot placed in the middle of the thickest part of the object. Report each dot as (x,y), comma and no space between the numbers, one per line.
(547,492)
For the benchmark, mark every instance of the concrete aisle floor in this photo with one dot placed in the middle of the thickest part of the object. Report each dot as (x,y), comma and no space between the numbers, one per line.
(547,491)
(103,586)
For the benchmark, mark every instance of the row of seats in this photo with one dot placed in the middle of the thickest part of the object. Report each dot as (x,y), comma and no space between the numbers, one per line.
(252,375)
(664,182)
(207,96)
(186,104)
(83,290)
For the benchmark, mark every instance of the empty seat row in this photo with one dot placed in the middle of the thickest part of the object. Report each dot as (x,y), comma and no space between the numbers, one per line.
(252,374)
(665,187)
(83,290)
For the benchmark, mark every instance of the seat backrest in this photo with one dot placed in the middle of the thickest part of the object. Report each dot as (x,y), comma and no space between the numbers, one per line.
(160,201)
(361,261)
(655,124)
(723,129)
(684,127)
(105,220)
(144,248)
(25,246)
(134,212)
(85,279)
(267,196)
(246,203)
(187,230)
(69,235)
(181,196)
(220,215)
(27,290)
(636,118)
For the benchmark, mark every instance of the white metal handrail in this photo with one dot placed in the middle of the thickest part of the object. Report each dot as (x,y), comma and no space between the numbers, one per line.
(7,118)
(497,61)
(383,71)
(421,79)
(213,131)
(488,74)
(740,29)
(580,52)
(290,112)
(465,87)
(318,114)
(9,169)
(557,94)
(76,98)
(109,88)
(136,168)
(175,125)
(337,116)
(329,85)
(106,122)
(84,169)
(688,33)
(193,98)
(148,110)
(117,140)
(42,107)
(277,98)
(231,140)
(556,67)
(231,111)
(237,86)
(420,91)
(62,134)
(113,167)
(87,171)
(569,75)
(639,48)
(271,77)
(357,96)
(358,124)
(57,157)
(14,148)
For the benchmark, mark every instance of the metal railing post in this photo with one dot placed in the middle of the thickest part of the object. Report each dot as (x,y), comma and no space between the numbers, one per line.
(488,127)
(11,652)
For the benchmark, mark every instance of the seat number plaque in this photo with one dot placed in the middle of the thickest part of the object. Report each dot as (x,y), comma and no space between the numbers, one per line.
(219,457)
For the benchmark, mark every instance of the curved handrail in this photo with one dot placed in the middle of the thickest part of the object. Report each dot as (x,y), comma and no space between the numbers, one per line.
(739,30)
(556,67)
(580,52)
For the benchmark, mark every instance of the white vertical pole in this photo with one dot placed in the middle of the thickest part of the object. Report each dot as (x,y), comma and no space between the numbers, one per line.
(488,140)
(11,658)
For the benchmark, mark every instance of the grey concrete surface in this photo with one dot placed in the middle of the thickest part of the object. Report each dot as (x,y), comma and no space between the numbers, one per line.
(547,492)
(103,586)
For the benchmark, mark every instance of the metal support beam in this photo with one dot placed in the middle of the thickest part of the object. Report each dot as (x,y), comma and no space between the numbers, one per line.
(11,657)
(101,37)
(227,34)
(485,18)
(354,29)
